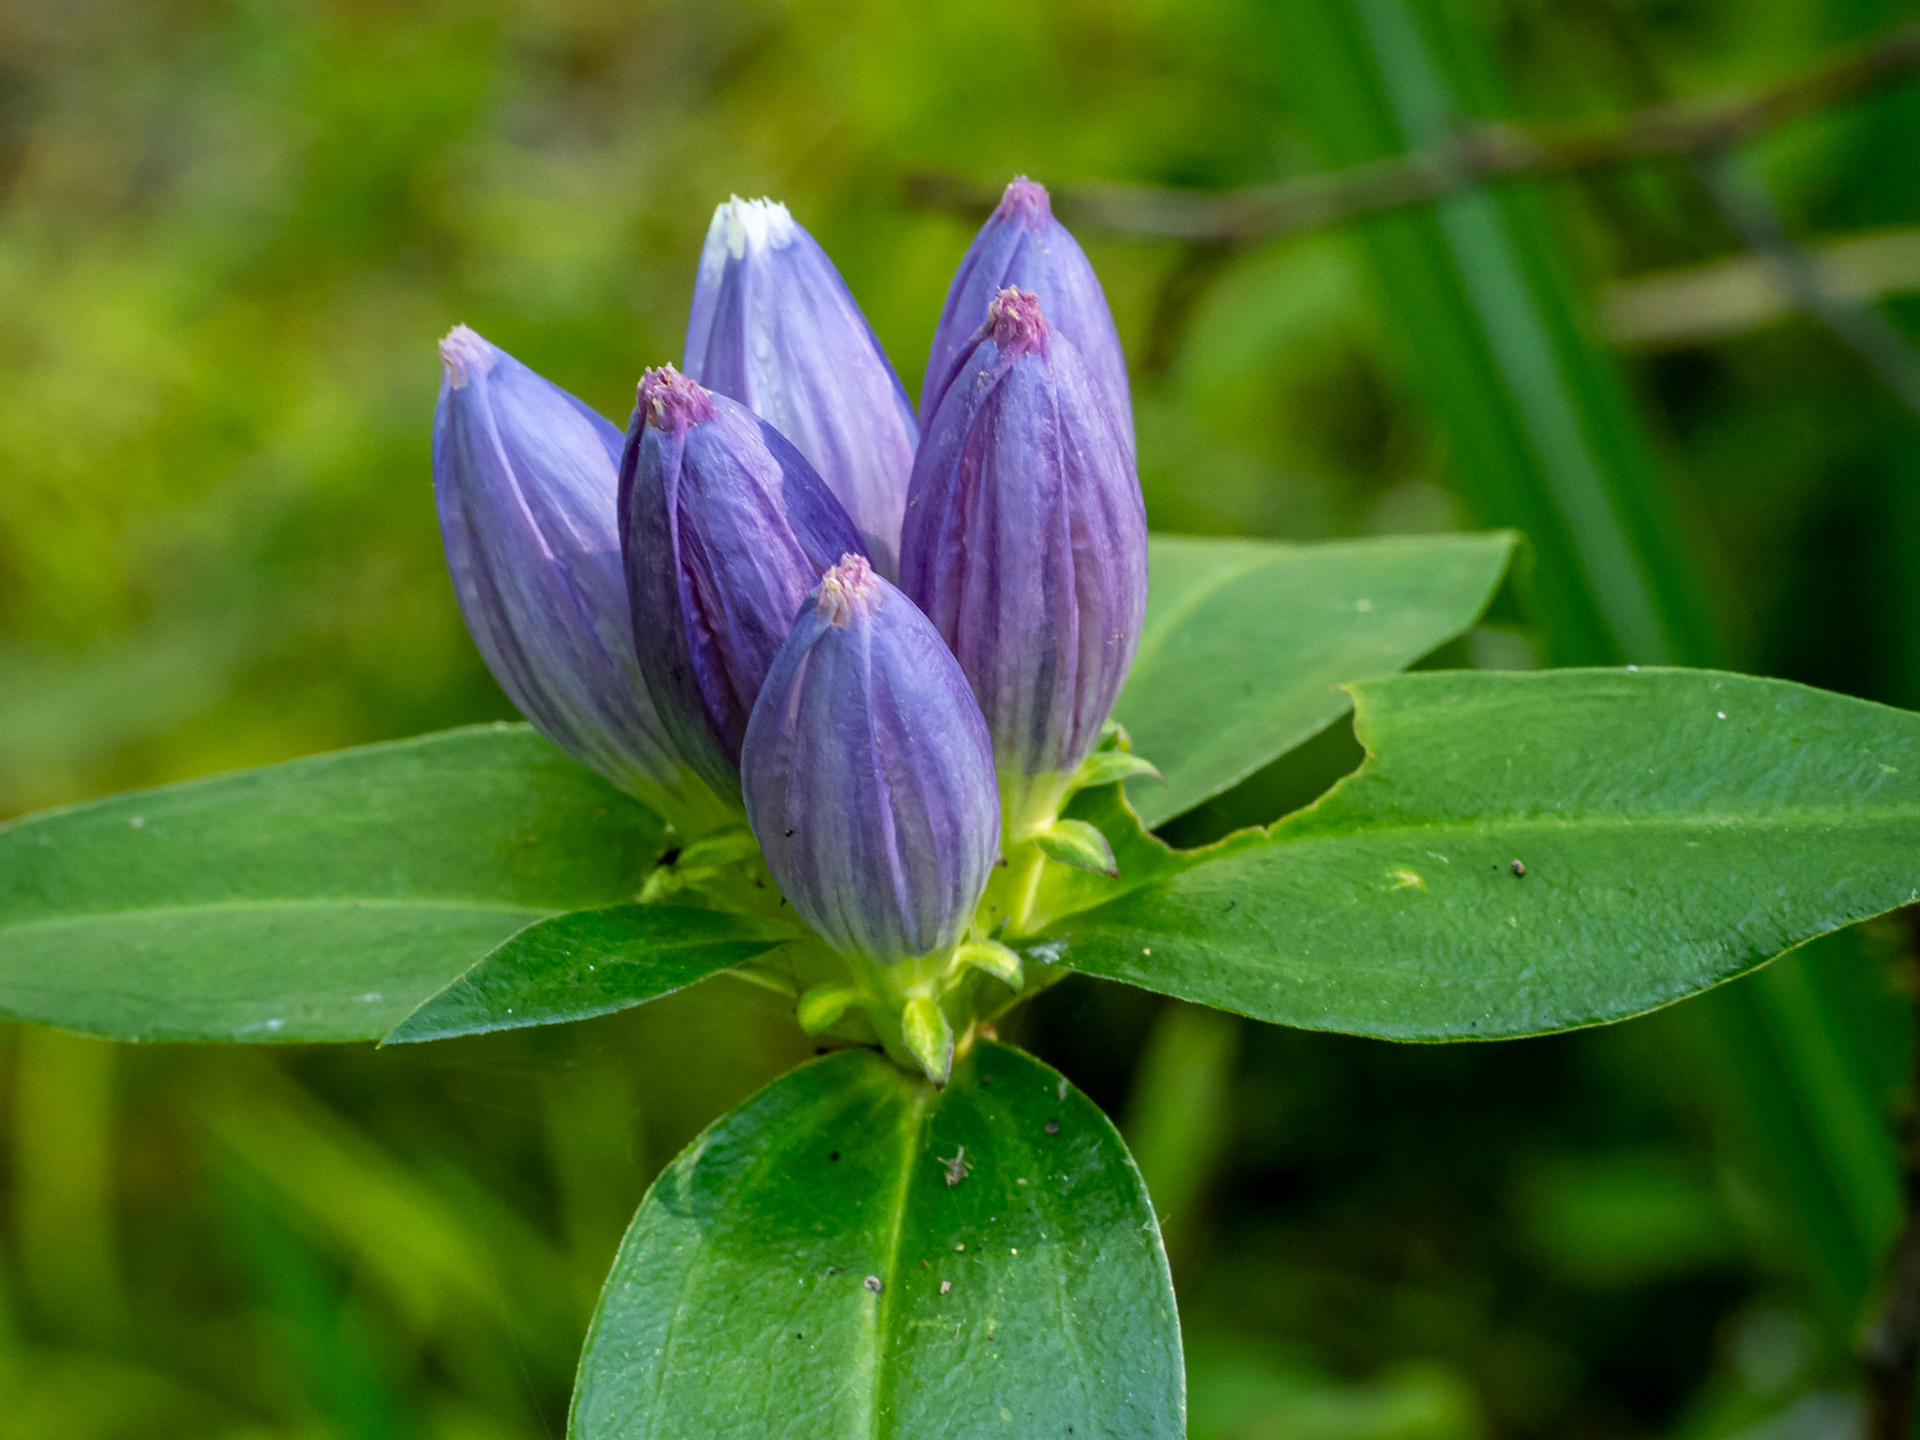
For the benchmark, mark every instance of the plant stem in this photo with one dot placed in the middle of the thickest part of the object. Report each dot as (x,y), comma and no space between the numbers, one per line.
(1890,1352)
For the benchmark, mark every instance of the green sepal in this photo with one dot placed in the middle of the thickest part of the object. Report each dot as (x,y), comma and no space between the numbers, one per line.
(723,871)
(928,1037)
(1078,844)
(824,1004)
(1104,767)
(994,959)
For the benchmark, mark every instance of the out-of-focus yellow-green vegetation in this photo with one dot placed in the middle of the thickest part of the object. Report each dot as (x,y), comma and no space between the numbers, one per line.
(230,233)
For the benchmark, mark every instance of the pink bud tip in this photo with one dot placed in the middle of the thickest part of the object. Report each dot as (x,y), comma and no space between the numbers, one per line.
(670,401)
(848,591)
(464,355)
(1026,204)
(1016,322)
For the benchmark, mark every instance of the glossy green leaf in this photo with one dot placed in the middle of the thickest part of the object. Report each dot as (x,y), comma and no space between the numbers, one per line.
(591,962)
(1247,640)
(854,1253)
(321,899)
(1528,852)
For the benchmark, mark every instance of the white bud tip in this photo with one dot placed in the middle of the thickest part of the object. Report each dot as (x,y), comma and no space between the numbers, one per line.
(848,591)
(464,355)
(743,225)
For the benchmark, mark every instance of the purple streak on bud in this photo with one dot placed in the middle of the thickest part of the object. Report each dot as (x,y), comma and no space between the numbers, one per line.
(1026,541)
(868,774)
(525,478)
(775,327)
(726,529)
(1023,245)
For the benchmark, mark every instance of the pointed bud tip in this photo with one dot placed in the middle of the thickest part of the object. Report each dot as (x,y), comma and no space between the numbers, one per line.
(670,401)
(464,355)
(1016,323)
(752,225)
(848,591)
(1025,203)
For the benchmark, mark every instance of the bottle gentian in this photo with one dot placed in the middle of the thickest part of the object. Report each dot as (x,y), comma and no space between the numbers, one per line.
(525,479)
(1024,247)
(868,777)
(775,327)
(1026,545)
(725,529)
(903,756)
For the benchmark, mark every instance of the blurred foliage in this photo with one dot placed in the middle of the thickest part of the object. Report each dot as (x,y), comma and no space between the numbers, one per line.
(230,231)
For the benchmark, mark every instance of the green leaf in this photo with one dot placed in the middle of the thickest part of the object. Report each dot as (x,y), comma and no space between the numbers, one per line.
(853,1252)
(591,962)
(1675,828)
(322,899)
(1247,640)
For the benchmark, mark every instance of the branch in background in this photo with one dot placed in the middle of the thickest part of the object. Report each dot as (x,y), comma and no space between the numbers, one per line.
(1750,210)
(1479,153)
(1746,291)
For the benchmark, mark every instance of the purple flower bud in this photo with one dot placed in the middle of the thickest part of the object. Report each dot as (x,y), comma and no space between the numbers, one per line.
(525,479)
(1023,246)
(775,327)
(868,774)
(726,528)
(1026,541)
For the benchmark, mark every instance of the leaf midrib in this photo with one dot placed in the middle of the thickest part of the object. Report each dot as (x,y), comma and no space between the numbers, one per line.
(1798,816)
(912,1127)
(356,902)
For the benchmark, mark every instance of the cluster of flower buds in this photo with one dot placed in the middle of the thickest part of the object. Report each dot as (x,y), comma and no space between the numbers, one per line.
(892,644)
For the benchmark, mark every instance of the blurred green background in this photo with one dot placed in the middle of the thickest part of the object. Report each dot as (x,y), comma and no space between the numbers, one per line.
(230,232)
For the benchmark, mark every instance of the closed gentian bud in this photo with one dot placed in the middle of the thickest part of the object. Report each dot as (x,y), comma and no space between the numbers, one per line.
(1026,545)
(1023,246)
(525,479)
(775,327)
(726,529)
(868,774)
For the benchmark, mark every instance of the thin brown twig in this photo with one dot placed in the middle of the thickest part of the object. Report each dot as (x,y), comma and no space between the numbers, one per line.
(1477,154)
